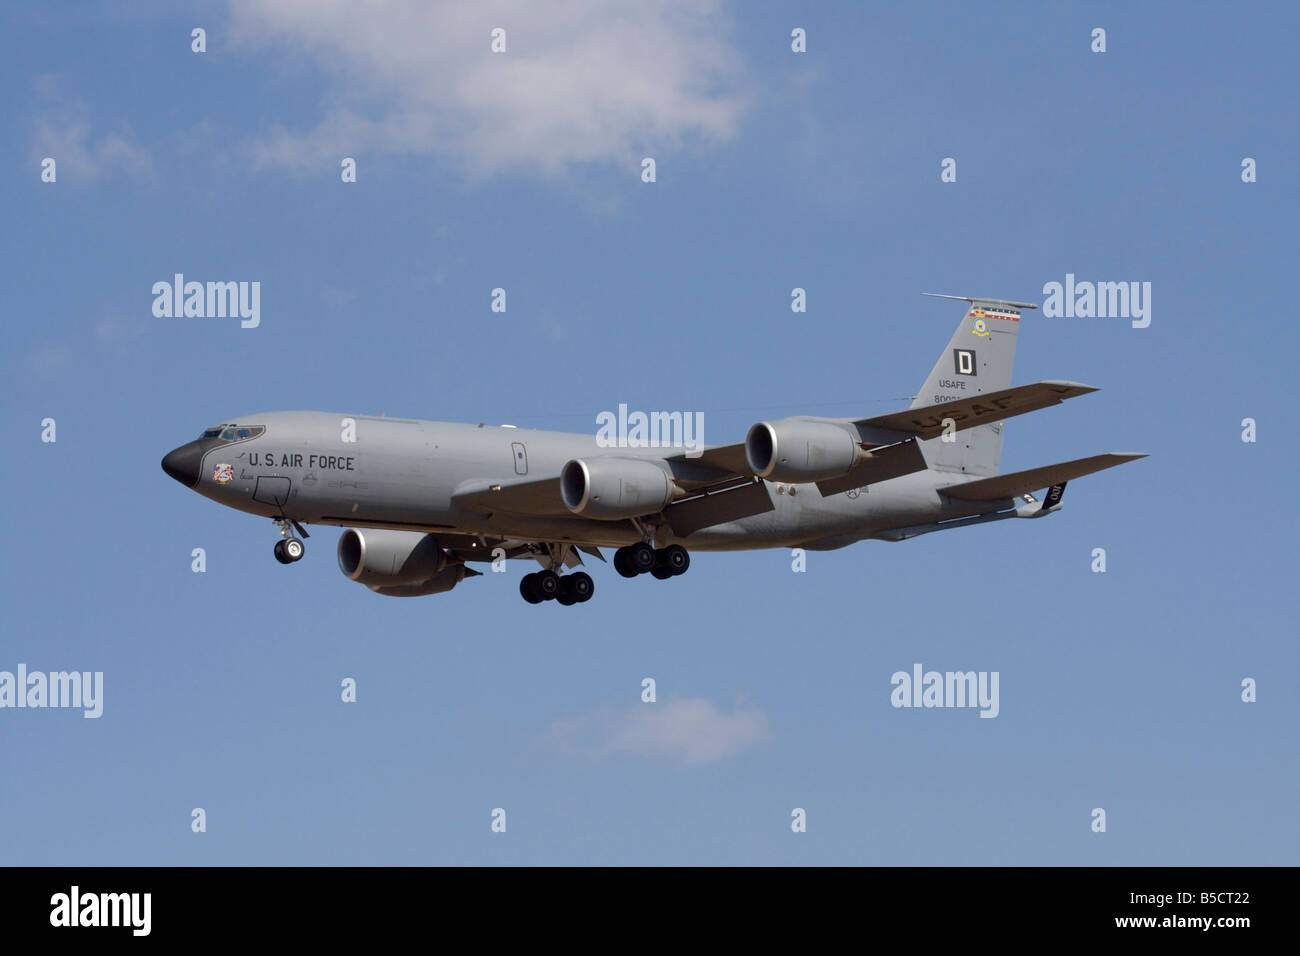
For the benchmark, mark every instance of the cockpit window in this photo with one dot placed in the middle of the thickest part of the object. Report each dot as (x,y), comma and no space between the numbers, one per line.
(240,432)
(233,432)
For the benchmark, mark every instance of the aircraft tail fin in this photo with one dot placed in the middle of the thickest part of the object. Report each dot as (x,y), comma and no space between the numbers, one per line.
(978,359)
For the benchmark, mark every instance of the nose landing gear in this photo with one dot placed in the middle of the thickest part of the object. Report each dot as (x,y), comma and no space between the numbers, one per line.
(289,549)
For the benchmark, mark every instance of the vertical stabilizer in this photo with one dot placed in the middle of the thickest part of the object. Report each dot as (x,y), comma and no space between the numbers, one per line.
(978,359)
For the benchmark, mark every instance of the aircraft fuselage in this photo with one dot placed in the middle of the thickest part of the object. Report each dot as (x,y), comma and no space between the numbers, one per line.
(367,472)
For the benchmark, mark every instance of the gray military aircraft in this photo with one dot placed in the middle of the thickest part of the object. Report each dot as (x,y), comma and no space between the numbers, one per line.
(420,500)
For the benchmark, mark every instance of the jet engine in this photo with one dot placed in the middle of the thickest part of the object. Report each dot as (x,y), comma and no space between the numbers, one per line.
(797,451)
(397,563)
(614,488)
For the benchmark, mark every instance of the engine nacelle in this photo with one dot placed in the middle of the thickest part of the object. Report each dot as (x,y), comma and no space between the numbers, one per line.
(614,488)
(444,580)
(799,451)
(393,561)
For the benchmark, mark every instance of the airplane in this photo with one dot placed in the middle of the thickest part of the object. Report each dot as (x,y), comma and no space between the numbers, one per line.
(421,500)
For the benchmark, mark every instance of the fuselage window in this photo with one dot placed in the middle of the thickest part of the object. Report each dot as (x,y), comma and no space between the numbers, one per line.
(210,433)
(228,435)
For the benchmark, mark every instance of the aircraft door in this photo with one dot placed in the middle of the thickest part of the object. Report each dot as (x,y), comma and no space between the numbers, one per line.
(521,458)
(272,491)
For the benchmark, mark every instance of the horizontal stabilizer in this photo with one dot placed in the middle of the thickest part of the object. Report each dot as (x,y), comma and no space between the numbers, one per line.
(926,421)
(1023,482)
(1004,303)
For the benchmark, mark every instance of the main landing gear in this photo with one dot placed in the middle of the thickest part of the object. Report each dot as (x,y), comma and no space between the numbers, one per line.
(641,558)
(289,549)
(576,588)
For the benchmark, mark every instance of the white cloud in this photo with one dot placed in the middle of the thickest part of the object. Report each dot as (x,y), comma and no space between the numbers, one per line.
(62,130)
(692,731)
(582,81)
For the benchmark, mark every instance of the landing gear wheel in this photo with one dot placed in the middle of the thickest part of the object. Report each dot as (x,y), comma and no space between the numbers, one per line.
(663,574)
(565,595)
(621,564)
(581,586)
(528,589)
(546,584)
(289,549)
(674,558)
(640,557)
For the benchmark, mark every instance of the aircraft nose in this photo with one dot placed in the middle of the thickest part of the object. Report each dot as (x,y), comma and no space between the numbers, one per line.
(183,463)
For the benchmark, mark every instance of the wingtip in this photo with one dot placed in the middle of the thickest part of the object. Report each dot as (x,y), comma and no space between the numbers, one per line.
(1078,387)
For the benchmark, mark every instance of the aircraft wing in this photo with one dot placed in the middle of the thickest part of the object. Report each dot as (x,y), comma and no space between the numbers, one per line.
(1021,482)
(528,496)
(718,505)
(926,421)
(883,462)
(725,501)
(724,458)
(891,440)
(724,487)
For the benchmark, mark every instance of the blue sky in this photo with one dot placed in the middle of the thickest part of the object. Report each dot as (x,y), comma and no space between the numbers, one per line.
(775,170)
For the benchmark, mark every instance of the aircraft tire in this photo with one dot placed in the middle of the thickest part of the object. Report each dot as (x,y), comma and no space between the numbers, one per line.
(527,589)
(546,584)
(582,586)
(621,565)
(640,557)
(676,559)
